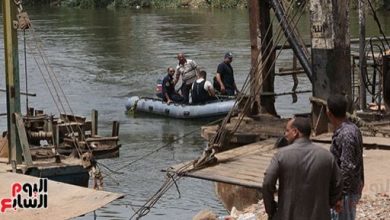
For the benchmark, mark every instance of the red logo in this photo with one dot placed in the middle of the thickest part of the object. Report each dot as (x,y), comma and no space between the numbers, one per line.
(26,196)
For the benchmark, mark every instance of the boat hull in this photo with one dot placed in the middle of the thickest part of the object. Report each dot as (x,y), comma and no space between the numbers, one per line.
(71,174)
(173,110)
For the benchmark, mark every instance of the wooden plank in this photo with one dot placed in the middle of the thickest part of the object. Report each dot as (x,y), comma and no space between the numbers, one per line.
(368,142)
(115,128)
(72,118)
(97,139)
(251,173)
(243,166)
(75,202)
(223,179)
(23,139)
(94,118)
(241,176)
(74,126)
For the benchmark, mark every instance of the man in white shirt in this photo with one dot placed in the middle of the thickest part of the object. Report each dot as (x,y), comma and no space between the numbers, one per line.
(202,90)
(188,70)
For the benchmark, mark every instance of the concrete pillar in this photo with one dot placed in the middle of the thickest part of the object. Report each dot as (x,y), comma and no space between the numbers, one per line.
(330,54)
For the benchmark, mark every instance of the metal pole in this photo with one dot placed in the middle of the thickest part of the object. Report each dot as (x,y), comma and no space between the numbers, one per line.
(292,38)
(12,78)
(362,55)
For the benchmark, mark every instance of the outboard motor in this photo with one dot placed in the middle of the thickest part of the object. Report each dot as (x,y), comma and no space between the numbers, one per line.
(158,90)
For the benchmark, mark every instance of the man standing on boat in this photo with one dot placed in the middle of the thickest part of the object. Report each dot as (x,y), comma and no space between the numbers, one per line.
(168,88)
(202,89)
(188,70)
(309,179)
(225,77)
(347,148)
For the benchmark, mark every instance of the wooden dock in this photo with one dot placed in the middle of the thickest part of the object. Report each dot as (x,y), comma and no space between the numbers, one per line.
(242,166)
(251,130)
(64,201)
(245,166)
(368,141)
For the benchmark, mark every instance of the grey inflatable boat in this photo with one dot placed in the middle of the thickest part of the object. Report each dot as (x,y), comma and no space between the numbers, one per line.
(173,110)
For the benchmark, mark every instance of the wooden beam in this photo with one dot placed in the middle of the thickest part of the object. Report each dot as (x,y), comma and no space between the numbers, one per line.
(21,93)
(386,81)
(23,139)
(362,55)
(115,128)
(94,119)
(11,77)
(268,56)
(253,8)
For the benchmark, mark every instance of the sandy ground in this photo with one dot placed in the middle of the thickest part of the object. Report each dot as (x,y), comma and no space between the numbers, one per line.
(375,201)
(376,172)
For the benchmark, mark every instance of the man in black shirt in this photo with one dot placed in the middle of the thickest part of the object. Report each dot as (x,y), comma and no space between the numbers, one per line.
(225,76)
(202,90)
(168,88)
(347,148)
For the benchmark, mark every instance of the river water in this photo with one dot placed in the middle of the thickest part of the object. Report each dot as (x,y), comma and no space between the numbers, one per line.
(102,57)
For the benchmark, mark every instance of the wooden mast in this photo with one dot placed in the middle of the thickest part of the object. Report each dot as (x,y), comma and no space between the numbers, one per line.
(12,78)
(260,29)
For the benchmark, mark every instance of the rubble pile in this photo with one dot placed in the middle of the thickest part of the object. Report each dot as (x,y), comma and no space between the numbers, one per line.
(374,207)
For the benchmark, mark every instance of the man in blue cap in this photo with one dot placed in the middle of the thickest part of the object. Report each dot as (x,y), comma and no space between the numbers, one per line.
(225,76)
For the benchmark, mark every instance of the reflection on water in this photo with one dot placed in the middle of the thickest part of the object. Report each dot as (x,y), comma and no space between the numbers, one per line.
(104,56)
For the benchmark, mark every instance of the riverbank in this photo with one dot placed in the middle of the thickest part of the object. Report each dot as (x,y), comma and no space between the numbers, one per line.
(378,4)
(141,3)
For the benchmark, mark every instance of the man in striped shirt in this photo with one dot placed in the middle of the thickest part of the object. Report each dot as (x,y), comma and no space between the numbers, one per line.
(188,70)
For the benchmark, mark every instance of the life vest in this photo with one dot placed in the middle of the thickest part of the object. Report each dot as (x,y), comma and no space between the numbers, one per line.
(158,89)
(199,94)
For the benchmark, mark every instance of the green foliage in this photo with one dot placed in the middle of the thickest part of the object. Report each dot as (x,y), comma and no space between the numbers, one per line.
(71,3)
(167,3)
(227,3)
(378,4)
(130,3)
(86,3)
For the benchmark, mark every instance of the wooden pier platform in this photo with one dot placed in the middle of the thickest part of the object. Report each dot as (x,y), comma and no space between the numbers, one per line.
(251,130)
(64,201)
(245,166)
(369,142)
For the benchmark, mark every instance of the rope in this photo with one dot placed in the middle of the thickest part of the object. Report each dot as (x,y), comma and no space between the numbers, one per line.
(171,180)
(319,117)
(57,93)
(378,23)
(26,24)
(164,146)
(221,133)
